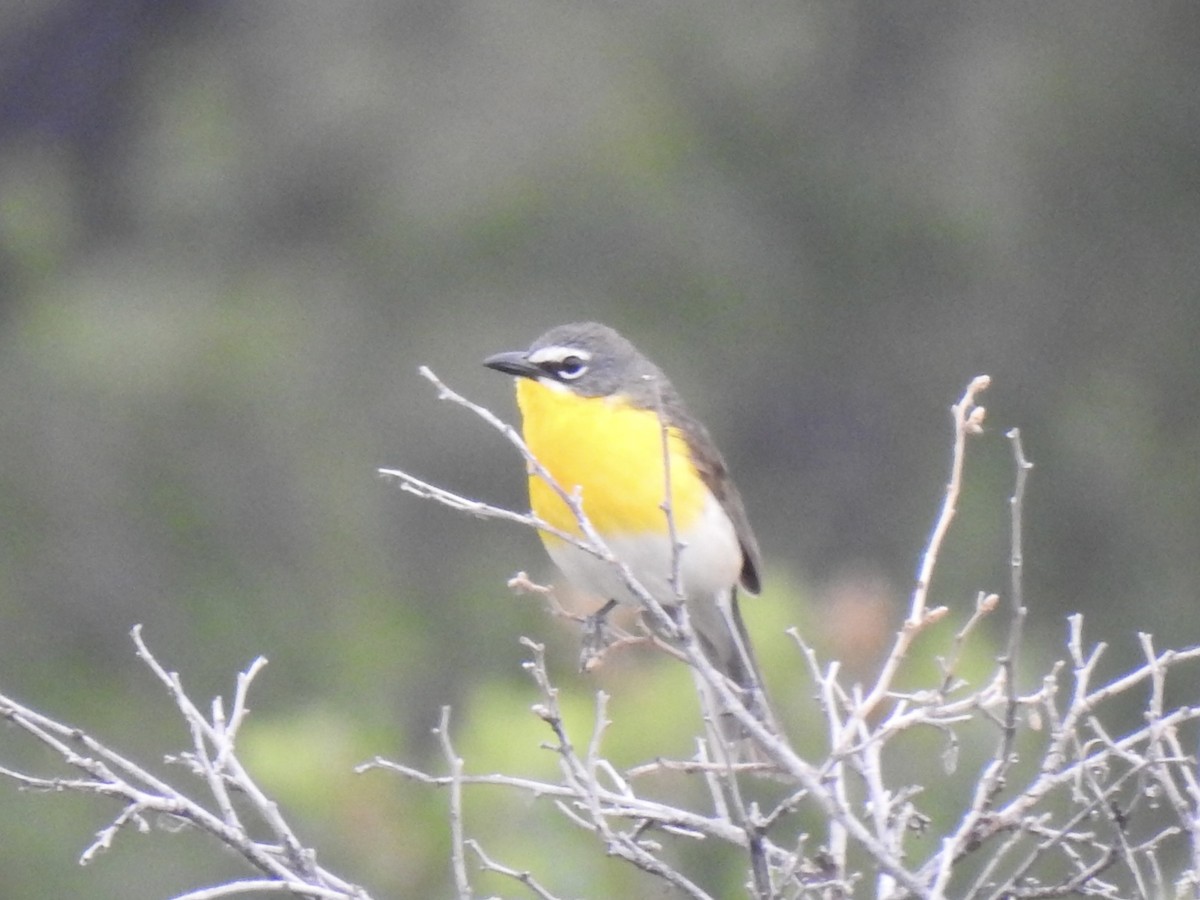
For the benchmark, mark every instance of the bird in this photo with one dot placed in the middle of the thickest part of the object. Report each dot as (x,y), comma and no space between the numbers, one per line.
(593,413)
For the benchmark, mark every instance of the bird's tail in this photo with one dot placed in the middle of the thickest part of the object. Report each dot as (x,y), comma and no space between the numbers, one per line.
(723,638)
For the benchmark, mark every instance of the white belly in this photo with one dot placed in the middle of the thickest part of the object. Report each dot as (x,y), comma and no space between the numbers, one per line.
(710,562)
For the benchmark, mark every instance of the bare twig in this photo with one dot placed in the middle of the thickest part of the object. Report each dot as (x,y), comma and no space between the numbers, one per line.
(1008,662)
(525,877)
(278,855)
(458,854)
(985,605)
(968,420)
(260,886)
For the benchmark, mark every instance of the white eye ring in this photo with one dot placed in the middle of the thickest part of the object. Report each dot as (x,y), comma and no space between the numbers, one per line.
(571,367)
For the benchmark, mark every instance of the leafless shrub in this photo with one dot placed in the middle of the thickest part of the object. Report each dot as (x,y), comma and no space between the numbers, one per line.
(1064,804)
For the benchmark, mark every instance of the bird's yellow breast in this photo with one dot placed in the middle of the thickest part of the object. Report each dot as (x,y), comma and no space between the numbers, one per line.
(612,452)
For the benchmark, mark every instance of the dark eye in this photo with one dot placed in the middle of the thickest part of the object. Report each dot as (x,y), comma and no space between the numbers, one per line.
(571,367)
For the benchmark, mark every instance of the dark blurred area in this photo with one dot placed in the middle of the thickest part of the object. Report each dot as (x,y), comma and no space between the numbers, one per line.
(230,232)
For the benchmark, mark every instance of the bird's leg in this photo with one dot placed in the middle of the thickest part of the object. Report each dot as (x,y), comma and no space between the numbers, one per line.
(596,636)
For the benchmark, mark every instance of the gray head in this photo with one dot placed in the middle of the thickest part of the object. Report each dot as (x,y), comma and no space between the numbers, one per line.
(590,359)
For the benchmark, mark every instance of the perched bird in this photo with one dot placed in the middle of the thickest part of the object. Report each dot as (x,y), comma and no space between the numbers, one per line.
(593,411)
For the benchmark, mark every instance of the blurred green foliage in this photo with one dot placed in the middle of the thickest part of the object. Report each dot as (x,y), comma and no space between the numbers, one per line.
(230,232)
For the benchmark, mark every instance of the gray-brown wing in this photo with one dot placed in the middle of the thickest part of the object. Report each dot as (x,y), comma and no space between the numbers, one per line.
(715,474)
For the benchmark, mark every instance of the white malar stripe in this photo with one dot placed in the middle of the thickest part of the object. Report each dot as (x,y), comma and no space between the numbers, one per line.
(553,384)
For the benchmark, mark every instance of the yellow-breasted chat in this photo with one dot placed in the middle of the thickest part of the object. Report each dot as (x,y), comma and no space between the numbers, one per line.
(593,412)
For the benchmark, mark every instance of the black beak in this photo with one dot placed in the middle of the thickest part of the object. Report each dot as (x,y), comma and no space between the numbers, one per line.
(513,362)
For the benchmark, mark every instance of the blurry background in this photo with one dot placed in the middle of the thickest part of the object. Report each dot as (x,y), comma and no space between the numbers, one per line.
(230,232)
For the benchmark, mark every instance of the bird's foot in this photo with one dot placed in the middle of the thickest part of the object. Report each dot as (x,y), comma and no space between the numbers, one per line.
(596,638)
